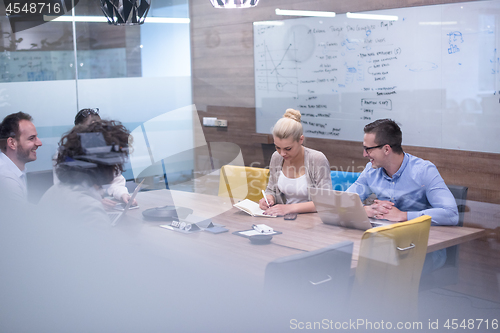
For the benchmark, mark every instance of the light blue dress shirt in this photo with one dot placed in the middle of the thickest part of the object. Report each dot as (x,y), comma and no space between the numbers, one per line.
(416,188)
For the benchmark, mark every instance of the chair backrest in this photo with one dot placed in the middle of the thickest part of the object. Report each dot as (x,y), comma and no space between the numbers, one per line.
(312,282)
(448,274)
(241,182)
(460,195)
(341,180)
(389,269)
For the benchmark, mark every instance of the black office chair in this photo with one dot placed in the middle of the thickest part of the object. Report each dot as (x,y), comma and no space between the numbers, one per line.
(460,194)
(448,274)
(311,284)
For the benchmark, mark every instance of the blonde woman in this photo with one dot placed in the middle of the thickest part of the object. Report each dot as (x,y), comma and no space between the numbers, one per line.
(293,169)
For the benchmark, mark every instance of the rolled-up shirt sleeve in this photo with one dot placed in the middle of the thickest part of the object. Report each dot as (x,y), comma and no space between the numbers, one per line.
(443,209)
(416,188)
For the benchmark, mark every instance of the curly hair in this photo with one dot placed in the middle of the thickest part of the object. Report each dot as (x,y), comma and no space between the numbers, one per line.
(114,133)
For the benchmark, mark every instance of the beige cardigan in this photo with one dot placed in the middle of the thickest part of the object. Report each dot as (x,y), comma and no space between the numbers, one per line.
(317,173)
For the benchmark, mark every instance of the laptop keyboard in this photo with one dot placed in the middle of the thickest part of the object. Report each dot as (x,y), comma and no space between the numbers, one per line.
(113,215)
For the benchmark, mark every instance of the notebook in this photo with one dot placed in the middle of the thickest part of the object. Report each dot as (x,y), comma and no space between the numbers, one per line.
(252,208)
(115,216)
(342,209)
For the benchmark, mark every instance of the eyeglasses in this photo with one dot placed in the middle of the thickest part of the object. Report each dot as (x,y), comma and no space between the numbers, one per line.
(82,114)
(367,149)
(87,112)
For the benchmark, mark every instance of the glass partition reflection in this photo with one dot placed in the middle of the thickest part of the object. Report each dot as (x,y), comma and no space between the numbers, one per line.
(131,73)
(38,77)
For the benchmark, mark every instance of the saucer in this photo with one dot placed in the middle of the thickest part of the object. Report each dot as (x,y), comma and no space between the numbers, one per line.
(260,239)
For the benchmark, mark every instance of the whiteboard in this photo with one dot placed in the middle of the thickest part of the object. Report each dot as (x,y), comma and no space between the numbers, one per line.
(22,66)
(435,70)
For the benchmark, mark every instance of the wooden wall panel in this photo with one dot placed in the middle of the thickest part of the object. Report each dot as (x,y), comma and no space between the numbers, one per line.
(241,131)
(478,171)
(223,85)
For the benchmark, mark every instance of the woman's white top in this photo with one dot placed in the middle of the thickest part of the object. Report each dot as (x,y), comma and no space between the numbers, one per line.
(295,189)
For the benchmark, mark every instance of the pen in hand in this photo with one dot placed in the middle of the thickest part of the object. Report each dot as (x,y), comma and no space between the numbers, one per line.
(265,198)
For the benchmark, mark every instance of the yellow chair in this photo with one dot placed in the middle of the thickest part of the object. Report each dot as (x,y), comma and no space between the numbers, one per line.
(389,268)
(241,182)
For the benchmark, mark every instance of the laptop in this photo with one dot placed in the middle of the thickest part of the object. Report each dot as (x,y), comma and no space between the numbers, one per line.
(343,209)
(115,216)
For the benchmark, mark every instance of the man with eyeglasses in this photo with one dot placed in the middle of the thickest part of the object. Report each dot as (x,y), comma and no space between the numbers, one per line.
(406,186)
(18,142)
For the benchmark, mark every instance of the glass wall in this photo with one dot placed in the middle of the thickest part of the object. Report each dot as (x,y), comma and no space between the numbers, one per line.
(131,73)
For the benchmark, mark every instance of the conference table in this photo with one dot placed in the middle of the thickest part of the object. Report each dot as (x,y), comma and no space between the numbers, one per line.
(226,250)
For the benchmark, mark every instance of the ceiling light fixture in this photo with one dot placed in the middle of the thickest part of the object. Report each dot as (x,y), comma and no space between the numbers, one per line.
(234,3)
(269,23)
(371,17)
(291,12)
(125,12)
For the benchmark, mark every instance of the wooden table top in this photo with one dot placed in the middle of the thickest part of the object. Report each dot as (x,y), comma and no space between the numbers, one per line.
(306,233)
